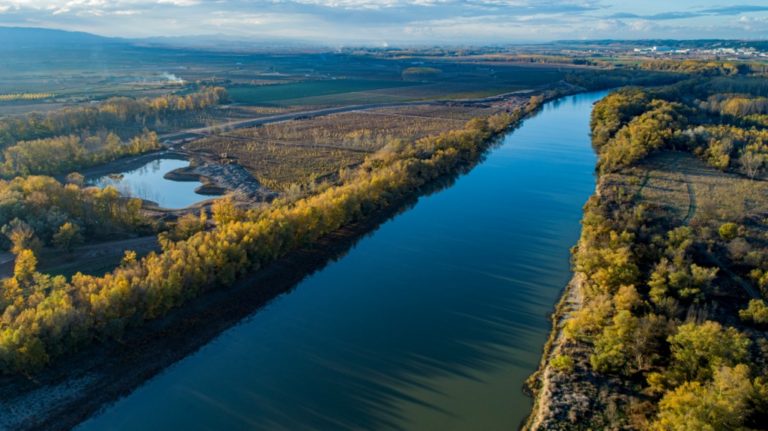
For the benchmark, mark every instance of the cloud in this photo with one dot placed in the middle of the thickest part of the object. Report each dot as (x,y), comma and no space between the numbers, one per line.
(680,15)
(735,10)
(362,21)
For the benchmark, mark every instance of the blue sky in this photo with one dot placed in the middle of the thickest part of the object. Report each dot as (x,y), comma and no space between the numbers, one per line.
(399,21)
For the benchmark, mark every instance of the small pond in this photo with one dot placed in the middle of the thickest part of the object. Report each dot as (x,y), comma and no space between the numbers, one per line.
(147,182)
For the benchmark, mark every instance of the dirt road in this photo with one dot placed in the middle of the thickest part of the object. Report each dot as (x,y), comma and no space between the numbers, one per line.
(260,121)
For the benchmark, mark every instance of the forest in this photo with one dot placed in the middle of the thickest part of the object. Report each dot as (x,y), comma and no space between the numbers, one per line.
(673,317)
(720,121)
(65,154)
(46,316)
(38,210)
(117,114)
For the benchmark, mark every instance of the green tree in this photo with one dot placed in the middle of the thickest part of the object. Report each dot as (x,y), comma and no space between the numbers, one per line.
(720,405)
(728,231)
(612,347)
(699,350)
(756,312)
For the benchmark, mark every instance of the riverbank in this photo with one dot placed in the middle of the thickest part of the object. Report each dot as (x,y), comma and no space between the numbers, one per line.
(670,259)
(557,396)
(101,374)
(77,387)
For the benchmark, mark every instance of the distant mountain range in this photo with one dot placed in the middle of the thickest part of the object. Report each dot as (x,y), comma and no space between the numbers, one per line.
(21,38)
(30,38)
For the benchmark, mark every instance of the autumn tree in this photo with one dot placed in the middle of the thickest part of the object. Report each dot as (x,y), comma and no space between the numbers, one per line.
(22,236)
(68,236)
(756,312)
(225,211)
(698,350)
(722,404)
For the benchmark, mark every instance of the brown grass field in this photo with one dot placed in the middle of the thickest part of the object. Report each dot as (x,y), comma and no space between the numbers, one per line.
(300,151)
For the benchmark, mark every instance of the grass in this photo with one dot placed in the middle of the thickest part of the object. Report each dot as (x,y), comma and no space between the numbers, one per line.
(714,197)
(294,92)
(296,152)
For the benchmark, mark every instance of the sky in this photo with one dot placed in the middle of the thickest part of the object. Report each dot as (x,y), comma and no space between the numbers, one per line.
(384,22)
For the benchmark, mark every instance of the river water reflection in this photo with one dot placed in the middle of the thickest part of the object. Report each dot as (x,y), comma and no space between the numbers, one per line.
(433,322)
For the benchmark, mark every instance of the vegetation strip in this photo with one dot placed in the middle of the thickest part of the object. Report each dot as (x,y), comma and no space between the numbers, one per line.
(46,316)
(647,335)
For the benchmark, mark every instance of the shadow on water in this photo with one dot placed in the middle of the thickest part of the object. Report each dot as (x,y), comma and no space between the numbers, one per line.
(234,305)
(432,322)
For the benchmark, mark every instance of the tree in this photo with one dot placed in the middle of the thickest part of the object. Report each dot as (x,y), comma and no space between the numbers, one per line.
(612,347)
(76,178)
(25,267)
(562,364)
(225,211)
(699,350)
(728,231)
(627,298)
(68,237)
(129,258)
(720,405)
(752,162)
(756,312)
(188,225)
(22,236)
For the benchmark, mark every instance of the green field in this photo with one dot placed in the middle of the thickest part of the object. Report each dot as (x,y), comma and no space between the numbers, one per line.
(278,94)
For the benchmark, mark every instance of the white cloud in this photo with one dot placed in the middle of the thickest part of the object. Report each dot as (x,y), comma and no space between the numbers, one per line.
(432,21)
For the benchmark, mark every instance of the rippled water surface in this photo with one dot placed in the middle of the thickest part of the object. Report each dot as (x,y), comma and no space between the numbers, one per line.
(431,323)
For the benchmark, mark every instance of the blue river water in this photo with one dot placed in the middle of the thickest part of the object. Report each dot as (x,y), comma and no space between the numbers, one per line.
(433,322)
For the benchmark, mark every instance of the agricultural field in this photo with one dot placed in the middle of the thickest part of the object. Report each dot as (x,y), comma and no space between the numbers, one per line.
(293,93)
(282,154)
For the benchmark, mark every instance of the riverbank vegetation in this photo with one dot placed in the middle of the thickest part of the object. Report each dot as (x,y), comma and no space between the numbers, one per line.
(44,317)
(39,210)
(669,331)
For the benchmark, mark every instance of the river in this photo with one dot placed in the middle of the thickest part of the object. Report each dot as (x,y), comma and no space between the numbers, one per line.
(433,322)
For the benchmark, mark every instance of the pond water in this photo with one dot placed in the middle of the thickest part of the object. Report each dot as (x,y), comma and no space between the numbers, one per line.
(433,322)
(147,182)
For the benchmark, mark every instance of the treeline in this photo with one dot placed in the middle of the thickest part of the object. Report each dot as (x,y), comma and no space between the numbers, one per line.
(700,67)
(644,321)
(651,320)
(34,209)
(114,114)
(724,129)
(46,316)
(592,79)
(24,96)
(65,154)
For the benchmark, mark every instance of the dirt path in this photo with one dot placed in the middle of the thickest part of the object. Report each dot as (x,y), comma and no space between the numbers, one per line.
(748,288)
(745,285)
(260,121)
(90,258)
(691,201)
(571,301)
(646,178)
